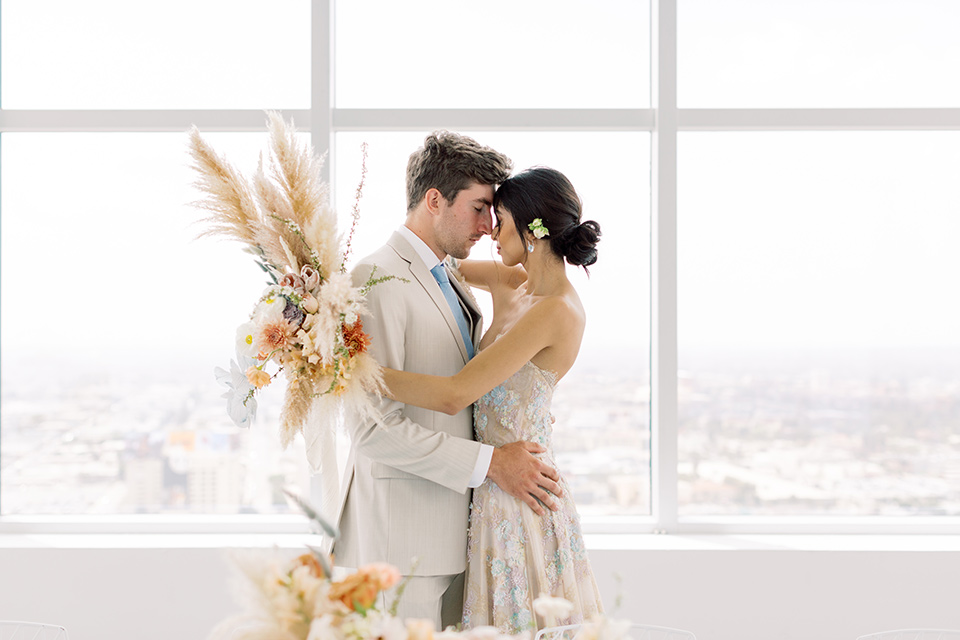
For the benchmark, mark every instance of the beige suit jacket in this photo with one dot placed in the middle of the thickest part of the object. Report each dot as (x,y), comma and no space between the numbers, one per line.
(405,490)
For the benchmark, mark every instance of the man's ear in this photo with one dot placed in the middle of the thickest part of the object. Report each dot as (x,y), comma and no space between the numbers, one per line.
(432,199)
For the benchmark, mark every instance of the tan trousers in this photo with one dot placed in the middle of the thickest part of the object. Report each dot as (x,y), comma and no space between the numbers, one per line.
(436,598)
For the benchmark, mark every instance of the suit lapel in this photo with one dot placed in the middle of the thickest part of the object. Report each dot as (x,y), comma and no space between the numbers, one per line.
(422,275)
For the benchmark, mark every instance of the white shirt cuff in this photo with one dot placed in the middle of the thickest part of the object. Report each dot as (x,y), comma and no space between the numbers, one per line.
(483,465)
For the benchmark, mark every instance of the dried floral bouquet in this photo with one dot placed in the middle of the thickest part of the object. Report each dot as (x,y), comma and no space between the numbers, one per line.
(307,321)
(298,599)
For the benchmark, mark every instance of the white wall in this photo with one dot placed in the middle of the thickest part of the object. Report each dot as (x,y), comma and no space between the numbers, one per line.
(157,590)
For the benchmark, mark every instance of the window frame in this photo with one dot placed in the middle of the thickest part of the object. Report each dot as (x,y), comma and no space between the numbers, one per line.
(663,120)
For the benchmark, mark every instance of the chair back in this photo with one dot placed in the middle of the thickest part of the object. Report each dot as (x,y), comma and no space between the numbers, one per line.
(914,634)
(650,632)
(634,632)
(13,630)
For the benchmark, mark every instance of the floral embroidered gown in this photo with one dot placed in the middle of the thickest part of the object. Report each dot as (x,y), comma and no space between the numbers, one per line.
(514,555)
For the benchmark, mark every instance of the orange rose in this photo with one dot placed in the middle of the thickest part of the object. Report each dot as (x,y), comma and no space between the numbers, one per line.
(359,590)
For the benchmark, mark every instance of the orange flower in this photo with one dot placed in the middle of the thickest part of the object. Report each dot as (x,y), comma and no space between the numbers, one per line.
(386,575)
(354,338)
(309,560)
(257,377)
(273,336)
(359,590)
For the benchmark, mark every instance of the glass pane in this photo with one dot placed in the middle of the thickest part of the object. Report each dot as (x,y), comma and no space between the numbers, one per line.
(113,318)
(819,351)
(602,430)
(180,54)
(818,53)
(501,54)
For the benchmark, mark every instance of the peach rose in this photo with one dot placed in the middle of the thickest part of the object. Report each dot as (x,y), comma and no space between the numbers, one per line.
(386,575)
(359,590)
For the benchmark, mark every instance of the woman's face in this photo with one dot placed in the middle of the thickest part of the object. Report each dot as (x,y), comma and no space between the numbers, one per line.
(509,243)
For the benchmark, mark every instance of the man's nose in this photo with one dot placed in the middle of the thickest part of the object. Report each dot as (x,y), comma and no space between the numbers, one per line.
(486,225)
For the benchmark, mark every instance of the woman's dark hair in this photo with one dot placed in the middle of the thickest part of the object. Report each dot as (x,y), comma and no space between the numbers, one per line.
(541,192)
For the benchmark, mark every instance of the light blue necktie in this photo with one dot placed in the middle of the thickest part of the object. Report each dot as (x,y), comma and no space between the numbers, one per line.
(440,274)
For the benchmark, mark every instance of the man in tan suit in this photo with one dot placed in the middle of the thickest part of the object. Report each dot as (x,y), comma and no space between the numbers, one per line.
(407,489)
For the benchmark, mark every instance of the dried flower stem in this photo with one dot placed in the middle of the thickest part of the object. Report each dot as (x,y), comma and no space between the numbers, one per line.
(356,208)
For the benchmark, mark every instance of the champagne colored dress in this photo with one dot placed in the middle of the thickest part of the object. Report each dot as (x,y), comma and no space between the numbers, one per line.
(514,555)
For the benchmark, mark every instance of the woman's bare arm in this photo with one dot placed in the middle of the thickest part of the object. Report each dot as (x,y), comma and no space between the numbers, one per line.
(488,274)
(538,329)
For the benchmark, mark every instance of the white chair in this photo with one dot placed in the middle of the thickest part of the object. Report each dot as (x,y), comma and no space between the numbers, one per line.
(635,632)
(914,634)
(12,630)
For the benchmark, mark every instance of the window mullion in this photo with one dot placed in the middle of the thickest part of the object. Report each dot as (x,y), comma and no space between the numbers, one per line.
(137,120)
(322,78)
(917,119)
(663,406)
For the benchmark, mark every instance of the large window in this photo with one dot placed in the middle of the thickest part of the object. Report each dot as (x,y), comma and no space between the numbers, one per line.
(771,339)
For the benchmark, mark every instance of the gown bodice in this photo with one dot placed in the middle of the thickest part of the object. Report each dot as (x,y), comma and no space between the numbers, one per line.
(517,409)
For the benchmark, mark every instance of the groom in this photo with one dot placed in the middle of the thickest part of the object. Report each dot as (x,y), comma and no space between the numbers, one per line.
(407,489)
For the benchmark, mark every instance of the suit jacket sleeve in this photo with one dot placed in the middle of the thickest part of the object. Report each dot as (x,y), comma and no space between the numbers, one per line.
(396,440)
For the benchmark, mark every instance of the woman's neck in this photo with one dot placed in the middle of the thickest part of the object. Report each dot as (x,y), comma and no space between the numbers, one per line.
(546,275)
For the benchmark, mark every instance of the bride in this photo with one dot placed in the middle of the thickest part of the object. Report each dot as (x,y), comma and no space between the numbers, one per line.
(513,554)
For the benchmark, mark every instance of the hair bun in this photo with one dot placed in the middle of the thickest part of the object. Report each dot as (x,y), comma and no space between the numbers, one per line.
(579,243)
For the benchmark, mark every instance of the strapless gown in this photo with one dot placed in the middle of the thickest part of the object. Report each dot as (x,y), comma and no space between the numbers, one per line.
(514,555)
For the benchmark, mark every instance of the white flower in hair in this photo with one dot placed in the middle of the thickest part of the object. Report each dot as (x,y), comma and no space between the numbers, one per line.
(538,229)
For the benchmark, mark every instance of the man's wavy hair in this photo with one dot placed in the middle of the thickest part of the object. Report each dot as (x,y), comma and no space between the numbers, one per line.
(449,162)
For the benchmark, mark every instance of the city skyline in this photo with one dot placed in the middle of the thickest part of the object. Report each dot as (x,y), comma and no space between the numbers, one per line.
(819,442)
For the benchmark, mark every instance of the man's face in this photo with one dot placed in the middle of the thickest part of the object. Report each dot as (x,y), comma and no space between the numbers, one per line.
(465,220)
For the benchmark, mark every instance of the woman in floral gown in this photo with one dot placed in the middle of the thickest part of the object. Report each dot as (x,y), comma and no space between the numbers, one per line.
(513,554)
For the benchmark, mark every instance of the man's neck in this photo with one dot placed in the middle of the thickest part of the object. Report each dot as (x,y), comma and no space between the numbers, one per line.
(427,254)
(426,237)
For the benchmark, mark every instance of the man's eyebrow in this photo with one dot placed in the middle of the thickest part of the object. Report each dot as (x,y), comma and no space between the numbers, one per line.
(485,201)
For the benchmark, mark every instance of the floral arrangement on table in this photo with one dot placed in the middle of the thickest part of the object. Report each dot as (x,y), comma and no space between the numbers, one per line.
(297,599)
(306,323)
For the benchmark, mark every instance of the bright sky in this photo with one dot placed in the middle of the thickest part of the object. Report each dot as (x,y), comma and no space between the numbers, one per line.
(786,239)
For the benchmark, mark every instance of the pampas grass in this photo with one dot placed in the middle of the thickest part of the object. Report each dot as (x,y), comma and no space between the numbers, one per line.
(230,201)
(284,218)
